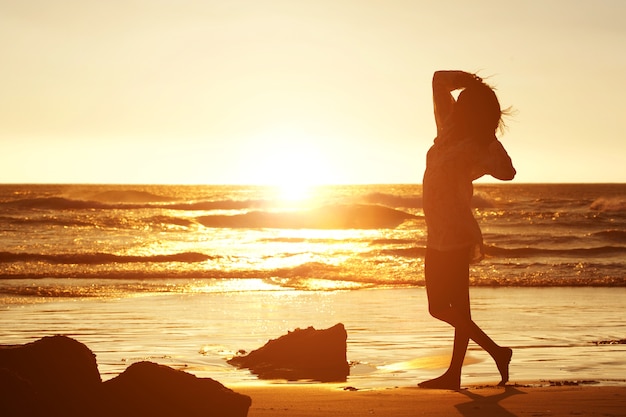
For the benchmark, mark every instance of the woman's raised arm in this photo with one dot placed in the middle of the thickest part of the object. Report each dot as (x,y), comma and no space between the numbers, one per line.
(444,82)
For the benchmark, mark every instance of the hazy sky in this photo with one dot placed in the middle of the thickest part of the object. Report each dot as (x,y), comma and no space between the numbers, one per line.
(207,91)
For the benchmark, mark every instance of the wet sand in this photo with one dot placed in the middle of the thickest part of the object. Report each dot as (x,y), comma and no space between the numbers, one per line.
(511,401)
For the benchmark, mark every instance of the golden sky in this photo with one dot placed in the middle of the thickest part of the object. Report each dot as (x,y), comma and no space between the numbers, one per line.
(320,91)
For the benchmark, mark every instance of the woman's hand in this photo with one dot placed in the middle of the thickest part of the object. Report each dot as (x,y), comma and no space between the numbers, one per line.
(451,80)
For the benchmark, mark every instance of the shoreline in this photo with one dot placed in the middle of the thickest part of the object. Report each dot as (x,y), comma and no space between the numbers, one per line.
(485,401)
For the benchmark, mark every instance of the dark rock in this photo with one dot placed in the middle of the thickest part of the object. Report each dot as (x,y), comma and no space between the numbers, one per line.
(18,397)
(58,376)
(149,389)
(62,372)
(308,354)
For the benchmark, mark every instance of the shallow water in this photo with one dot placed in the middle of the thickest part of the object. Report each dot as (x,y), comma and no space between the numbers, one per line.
(392,341)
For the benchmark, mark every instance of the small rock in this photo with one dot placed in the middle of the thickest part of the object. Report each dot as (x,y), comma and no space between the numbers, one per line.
(304,354)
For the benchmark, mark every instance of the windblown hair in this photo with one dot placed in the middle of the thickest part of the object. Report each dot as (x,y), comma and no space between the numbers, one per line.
(477,109)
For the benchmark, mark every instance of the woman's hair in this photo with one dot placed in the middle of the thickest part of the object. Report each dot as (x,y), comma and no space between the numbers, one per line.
(478,109)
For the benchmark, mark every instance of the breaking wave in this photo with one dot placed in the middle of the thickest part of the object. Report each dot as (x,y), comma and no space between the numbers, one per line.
(101,258)
(354,216)
(605,204)
(543,252)
(62,203)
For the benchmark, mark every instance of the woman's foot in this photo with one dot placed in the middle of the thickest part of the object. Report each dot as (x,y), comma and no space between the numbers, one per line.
(503,358)
(445,381)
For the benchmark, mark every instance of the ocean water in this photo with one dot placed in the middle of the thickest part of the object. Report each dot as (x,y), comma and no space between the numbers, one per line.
(189,275)
(329,238)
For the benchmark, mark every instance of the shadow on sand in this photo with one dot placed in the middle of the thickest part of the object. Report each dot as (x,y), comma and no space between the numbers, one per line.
(481,406)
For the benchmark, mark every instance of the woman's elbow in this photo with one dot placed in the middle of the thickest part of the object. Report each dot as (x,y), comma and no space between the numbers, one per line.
(506,175)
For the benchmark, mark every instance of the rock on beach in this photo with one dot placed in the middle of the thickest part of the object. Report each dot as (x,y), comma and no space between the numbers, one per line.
(58,376)
(304,354)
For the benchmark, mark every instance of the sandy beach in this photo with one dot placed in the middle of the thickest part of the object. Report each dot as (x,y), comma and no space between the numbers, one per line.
(512,401)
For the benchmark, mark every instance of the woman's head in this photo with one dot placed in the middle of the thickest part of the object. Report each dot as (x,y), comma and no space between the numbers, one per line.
(478,110)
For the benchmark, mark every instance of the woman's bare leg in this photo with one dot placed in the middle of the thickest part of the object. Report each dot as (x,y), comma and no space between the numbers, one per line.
(501,355)
(447,285)
(451,379)
(466,329)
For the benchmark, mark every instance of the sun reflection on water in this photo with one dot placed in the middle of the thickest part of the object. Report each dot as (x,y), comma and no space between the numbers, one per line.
(231,285)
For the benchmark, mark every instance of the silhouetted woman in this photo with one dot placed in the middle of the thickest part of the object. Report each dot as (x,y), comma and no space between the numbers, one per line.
(466,148)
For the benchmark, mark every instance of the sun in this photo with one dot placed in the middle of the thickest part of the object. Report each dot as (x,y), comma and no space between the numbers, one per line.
(294,172)
(294,192)
(291,162)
